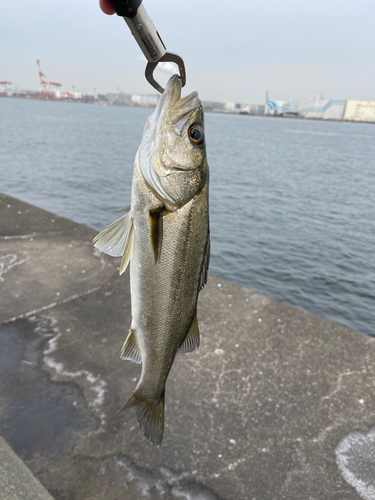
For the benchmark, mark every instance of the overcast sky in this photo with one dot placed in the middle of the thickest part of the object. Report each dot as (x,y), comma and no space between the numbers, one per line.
(291,48)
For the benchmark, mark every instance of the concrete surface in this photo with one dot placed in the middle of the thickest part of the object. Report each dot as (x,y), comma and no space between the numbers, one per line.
(16,480)
(275,404)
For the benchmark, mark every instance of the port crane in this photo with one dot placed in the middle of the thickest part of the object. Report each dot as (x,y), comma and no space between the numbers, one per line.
(47,90)
(3,87)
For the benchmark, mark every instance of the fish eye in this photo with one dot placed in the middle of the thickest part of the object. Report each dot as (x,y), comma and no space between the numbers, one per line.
(196,134)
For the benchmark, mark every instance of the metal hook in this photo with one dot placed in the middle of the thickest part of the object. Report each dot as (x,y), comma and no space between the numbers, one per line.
(167,57)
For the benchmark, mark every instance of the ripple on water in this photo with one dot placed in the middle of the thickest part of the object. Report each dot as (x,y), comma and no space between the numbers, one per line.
(292,204)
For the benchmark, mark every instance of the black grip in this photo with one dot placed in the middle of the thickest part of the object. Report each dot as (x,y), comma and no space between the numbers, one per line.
(126,8)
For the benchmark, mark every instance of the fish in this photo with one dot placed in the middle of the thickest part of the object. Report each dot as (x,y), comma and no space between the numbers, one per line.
(164,237)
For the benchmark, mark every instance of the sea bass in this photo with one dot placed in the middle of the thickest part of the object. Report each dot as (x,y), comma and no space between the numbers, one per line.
(164,234)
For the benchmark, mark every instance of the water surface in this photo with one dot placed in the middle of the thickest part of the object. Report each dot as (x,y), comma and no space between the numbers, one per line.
(291,201)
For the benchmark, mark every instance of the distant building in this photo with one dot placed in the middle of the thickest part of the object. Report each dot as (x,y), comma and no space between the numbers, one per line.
(252,109)
(257,109)
(363,111)
(213,106)
(102,98)
(270,108)
(291,107)
(229,106)
(119,98)
(281,108)
(145,100)
(326,109)
(68,95)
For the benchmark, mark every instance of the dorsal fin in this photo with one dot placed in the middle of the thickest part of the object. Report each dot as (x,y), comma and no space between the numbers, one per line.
(192,340)
(156,230)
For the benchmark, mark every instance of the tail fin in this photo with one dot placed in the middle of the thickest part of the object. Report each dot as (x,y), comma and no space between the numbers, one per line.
(150,417)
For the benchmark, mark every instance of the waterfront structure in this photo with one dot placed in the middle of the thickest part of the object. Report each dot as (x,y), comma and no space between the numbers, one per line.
(47,90)
(3,88)
(281,108)
(230,107)
(77,96)
(363,111)
(291,107)
(119,98)
(294,410)
(325,109)
(257,109)
(270,107)
(213,106)
(149,100)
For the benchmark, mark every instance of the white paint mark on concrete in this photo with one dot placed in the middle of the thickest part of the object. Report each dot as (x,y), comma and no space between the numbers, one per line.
(9,261)
(51,305)
(99,386)
(355,457)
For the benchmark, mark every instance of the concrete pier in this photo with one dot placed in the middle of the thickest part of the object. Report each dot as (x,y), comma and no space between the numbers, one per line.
(275,404)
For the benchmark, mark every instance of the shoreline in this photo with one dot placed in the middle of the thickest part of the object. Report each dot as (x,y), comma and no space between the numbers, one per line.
(103,103)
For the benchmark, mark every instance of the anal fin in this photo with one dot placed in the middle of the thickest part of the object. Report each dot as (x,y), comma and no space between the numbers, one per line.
(192,339)
(130,349)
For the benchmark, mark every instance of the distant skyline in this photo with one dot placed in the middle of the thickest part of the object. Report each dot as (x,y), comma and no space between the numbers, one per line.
(293,50)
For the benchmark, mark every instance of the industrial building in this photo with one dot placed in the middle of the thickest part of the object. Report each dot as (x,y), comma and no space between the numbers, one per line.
(145,100)
(281,108)
(318,108)
(119,98)
(252,109)
(213,106)
(363,111)
(325,109)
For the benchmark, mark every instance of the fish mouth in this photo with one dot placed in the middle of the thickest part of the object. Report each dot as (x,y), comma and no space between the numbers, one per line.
(172,109)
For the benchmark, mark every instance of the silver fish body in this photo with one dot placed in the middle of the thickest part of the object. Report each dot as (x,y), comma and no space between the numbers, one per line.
(165,236)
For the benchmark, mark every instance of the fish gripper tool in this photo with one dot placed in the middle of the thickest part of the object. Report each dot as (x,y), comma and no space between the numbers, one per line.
(147,37)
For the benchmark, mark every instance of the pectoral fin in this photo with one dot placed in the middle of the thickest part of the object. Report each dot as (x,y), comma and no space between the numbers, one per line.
(156,230)
(130,349)
(192,340)
(112,240)
(127,250)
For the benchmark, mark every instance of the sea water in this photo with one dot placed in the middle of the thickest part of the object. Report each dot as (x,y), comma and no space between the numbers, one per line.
(292,201)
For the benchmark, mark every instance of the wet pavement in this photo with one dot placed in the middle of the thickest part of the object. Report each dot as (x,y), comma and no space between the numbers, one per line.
(276,403)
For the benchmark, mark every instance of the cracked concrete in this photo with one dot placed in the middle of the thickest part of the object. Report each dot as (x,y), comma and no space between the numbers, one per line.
(258,412)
